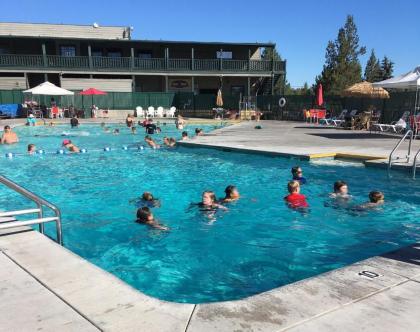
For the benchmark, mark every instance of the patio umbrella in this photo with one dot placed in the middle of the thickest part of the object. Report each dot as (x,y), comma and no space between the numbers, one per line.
(92,92)
(219,99)
(365,90)
(319,95)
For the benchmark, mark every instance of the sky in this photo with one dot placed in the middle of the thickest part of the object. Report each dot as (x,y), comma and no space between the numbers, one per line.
(300,29)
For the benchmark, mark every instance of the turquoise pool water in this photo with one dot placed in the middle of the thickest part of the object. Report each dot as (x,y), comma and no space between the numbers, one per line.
(257,245)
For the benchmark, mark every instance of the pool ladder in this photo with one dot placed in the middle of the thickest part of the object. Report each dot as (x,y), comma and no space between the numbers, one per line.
(393,159)
(8,220)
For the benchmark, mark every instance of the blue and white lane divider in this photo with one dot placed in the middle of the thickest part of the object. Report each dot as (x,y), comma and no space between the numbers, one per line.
(11,155)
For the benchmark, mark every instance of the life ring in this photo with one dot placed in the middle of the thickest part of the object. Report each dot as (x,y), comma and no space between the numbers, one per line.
(282,102)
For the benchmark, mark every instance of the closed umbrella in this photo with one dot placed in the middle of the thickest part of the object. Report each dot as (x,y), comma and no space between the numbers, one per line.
(219,99)
(319,95)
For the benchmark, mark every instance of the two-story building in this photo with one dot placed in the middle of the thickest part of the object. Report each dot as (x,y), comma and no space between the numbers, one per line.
(106,57)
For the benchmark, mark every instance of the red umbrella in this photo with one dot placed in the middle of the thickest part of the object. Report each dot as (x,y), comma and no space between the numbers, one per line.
(91,92)
(319,95)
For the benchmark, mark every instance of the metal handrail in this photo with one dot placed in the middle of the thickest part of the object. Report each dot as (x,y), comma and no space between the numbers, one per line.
(409,132)
(40,202)
(415,163)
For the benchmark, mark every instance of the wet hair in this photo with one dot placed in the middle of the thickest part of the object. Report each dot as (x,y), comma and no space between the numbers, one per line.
(338,185)
(197,130)
(147,137)
(143,214)
(376,196)
(229,190)
(292,186)
(184,134)
(172,140)
(30,146)
(211,194)
(116,130)
(7,127)
(147,196)
(295,169)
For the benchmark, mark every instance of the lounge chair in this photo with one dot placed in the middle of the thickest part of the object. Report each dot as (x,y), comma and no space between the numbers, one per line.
(395,127)
(159,112)
(150,112)
(330,121)
(140,112)
(170,113)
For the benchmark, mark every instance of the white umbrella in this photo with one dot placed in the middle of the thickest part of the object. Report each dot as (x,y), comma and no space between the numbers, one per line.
(49,89)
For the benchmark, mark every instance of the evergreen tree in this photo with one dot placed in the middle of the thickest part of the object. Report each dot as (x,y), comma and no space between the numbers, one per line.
(281,85)
(342,66)
(373,70)
(387,68)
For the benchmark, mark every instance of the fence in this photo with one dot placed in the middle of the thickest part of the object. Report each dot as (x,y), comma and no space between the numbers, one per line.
(201,105)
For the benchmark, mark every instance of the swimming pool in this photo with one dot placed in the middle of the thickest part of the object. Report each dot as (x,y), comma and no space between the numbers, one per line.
(257,245)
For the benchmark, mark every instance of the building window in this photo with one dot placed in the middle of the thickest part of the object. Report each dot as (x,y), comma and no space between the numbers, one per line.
(68,50)
(224,55)
(114,54)
(96,52)
(145,54)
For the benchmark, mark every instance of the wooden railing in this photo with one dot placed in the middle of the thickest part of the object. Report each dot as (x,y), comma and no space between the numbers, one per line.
(85,63)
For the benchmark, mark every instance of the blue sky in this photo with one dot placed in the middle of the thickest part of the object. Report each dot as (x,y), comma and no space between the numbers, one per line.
(301,29)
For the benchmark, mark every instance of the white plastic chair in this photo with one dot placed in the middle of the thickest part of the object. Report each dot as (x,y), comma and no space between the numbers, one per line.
(170,113)
(159,112)
(396,126)
(140,112)
(339,122)
(329,121)
(150,112)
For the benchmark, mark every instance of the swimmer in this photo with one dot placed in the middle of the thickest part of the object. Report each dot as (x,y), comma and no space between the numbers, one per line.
(376,199)
(102,124)
(341,190)
(231,194)
(146,199)
(151,142)
(158,130)
(70,146)
(116,131)
(133,130)
(172,142)
(179,122)
(184,136)
(129,121)
(145,216)
(74,122)
(199,132)
(298,175)
(107,129)
(31,149)
(209,201)
(166,141)
(295,199)
(9,137)
(51,124)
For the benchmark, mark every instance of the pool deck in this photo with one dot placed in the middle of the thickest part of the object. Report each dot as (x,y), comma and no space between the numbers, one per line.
(46,287)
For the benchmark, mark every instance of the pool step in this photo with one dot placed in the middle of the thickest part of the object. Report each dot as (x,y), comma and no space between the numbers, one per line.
(18,212)
(30,222)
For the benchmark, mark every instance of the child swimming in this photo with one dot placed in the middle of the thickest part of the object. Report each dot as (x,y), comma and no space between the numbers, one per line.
(146,199)
(70,146)
(376,199)
(209,201)
(295,199)
(231,194)
(145,216)
(31,149)
(298,175)
(341,190)
(151,142)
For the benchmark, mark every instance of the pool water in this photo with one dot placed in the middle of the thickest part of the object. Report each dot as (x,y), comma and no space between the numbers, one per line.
(256,245)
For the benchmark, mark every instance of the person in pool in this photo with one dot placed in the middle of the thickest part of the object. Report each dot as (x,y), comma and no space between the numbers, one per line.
(74,122)
(116,131)
(31,149)
(209,201)
(298,175)
(129,121)
(376,199)
(295,199)
(172,142)
(133,130)
(341,191)
(70,146)
(151,142)
(231,194)
(184,136)
(147,199)
(179,122)
(9,137)
(145,216)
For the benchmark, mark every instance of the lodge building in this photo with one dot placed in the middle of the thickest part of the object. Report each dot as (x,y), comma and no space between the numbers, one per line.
(76,57)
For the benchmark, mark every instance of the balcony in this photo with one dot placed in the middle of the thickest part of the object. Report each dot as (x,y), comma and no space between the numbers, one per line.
(137,65)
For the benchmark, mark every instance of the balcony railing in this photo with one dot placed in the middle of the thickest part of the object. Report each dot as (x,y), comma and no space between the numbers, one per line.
(85,63)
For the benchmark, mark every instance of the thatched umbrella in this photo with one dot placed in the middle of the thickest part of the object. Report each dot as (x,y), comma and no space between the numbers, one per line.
(365,90)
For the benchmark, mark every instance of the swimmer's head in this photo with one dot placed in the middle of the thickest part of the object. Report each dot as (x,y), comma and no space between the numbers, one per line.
(340,187)
(66,142)
(297,171)
(31,148)
(184,134)
(102,124)
(208,197)
(293,187)
(231,192)
(147,196)
(7,128)
(147,138)
(144,214)
(376,197)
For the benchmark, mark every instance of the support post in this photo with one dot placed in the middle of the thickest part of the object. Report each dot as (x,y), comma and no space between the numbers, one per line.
(26,80)
(167,58)
(221,59)
(249,60)
(192,84)
(248,86)
(166,83)
(192,58)
(45,77)
(44,55)
(90,57)
(132,58)
(133,84)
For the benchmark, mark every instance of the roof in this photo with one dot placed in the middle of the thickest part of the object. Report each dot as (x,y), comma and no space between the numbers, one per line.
(101,33)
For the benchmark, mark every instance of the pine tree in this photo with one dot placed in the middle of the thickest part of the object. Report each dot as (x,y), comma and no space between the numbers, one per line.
(387,68)
(281,86)
(373,70)
(342,66)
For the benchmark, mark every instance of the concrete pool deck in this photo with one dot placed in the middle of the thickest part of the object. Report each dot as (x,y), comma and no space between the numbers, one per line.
(46,287)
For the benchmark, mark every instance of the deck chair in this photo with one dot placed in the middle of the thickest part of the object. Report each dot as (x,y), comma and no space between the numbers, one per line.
(140,112)
(170,113)
(329,121)
(395,126)
(150,112)
(159,112)
(340,119)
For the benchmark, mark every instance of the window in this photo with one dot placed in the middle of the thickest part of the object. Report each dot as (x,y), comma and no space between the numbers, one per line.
(114,54)
(224,55)
(145,54)
(67,50)
(96,52)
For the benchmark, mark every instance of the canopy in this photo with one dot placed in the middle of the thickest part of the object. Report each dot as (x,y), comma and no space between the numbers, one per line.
(91,92)
(410,80)
(49,89)
(365,90)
